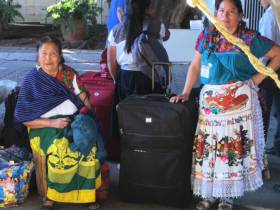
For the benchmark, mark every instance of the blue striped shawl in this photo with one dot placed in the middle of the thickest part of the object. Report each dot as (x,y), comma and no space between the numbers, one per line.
(41,93)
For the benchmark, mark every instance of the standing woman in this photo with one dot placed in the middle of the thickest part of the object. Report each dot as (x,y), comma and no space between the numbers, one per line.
(229,141)
(129,79)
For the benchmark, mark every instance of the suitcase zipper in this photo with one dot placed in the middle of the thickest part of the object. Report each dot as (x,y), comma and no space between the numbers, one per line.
(121,130)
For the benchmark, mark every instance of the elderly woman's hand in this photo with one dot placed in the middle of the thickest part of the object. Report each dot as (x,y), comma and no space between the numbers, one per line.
(184,97)
(60,122)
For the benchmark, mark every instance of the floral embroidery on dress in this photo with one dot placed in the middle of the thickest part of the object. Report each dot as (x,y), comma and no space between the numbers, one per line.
(212,37)
(66,76)
(221,103)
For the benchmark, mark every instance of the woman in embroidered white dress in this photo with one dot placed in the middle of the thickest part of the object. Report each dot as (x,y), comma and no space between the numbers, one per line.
(229,141)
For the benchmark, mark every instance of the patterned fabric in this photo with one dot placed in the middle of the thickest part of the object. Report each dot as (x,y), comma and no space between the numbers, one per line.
(229,142)
(213,38)
(72,177)
(119,33)
(41,93)
(222,54)
(66,76)
(15,176)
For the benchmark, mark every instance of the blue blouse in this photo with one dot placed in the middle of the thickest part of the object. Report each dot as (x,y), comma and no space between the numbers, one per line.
(228,62)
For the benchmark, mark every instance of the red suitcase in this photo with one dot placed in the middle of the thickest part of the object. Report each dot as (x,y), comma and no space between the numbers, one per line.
(101,96)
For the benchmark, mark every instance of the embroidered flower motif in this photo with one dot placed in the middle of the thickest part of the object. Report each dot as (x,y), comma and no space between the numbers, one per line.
(208,37)
(69,84)
(214,110)
(220,50)
(247,41)
(249,33)
(198,173)
(243,36)
(223,158)
(211,163)
(70,75)
(215,39)
(79,82)
(251,169)
(230,157)
(233,174)
(211,37)
(207,111)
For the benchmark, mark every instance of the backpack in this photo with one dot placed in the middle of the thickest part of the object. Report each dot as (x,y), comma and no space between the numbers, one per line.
(103,65)
(147,49)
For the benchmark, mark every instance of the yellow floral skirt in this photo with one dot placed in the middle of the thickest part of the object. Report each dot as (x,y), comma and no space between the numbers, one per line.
(72,177)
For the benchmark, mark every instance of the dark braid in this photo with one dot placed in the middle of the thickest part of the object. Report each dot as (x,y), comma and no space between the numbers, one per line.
(135,14)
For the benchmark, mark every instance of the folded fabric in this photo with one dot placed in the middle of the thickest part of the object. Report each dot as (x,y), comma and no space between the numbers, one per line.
(85,135)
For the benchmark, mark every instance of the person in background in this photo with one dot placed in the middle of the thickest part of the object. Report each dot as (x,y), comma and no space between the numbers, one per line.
(129,79)
(229,141)
(116,14)
(268,27)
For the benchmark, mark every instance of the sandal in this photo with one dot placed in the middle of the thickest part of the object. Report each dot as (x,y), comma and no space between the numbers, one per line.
(48,207)
(207,203)
(225,202)
(94,205)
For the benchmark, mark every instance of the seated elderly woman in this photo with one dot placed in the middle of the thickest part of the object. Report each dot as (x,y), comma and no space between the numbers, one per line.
(51,96)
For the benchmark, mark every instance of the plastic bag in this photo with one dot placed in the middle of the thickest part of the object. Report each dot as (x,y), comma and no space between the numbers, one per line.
(16,167)
(6,87)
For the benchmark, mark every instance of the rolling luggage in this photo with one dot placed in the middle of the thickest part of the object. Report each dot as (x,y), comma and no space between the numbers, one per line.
(101,95)
(156,148)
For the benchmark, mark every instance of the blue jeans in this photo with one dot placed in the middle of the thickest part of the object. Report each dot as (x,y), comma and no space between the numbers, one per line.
(272,97)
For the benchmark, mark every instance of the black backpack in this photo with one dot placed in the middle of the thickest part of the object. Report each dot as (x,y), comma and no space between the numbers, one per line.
(147,49)
(9,136)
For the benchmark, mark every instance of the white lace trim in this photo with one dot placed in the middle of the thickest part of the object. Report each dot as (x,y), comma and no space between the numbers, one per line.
(230,189)
(259,131)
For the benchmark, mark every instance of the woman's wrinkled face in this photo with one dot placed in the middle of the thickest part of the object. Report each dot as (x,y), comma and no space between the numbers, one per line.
(228,15)
(48,56)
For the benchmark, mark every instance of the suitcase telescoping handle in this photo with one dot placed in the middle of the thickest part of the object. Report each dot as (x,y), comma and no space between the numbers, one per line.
(169,74)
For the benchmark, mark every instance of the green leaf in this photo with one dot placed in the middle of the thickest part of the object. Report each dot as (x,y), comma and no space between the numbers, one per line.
(73,9)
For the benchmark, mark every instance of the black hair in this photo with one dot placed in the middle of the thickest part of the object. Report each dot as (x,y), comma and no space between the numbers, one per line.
(53,40)
(135,14)
(238,5)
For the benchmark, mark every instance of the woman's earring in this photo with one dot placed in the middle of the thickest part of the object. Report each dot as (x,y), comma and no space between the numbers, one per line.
(59,66)
(38,65)
(240,23)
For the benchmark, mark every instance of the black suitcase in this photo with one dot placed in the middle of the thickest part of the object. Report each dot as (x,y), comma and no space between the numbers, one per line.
(156,149)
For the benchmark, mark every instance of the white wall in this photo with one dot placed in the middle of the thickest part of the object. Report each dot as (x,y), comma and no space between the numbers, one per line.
(181,45)
(34,10)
